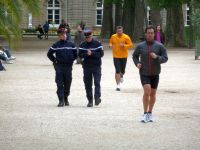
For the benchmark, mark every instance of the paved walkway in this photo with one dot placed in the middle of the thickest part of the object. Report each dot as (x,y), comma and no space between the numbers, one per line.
(30,120)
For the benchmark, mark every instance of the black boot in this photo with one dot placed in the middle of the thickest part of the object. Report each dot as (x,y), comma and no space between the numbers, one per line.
(66,102)
(61,102)
(90,103)
(97,101)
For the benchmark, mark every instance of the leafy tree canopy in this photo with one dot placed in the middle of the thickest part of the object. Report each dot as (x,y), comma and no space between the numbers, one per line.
(159,4)
(11,16)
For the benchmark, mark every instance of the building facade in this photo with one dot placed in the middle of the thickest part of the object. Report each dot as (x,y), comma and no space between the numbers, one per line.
(72,11)
(75,11)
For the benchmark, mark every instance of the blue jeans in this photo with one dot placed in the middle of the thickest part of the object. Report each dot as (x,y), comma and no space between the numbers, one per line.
(1,66)
(3,57)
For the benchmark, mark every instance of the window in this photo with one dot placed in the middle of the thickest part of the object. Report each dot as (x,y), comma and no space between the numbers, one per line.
(187,21)
(149,15)
(53,11)
(99,12)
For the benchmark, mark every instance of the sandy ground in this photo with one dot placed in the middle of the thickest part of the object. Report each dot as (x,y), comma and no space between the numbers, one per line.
(30,120)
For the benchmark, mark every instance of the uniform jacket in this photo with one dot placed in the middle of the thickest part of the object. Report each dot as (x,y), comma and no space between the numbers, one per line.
(150,66)
(62,52)
(119,52)
(97,52)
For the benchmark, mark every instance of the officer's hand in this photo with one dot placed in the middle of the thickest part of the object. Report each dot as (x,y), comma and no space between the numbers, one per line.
(153,55)
(55,62)
(89,52)
(139,65)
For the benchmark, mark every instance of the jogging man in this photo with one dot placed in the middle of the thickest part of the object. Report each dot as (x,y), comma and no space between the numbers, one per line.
(147,57)
(120,43)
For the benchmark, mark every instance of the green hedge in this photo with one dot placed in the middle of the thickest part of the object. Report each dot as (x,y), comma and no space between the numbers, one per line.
(30,30)
(196,34)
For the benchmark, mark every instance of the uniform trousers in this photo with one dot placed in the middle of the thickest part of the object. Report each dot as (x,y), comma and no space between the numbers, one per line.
(63,80)
(91,73)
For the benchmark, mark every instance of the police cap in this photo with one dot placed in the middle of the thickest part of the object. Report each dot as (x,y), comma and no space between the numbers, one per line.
(87,33)
(61,31)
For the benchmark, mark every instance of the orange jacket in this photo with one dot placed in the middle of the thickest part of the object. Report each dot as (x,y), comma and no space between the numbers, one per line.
(118,51)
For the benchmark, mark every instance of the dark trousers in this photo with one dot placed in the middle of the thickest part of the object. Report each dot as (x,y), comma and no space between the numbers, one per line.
(91,73)
(1,66)
(40,35)
(63,80)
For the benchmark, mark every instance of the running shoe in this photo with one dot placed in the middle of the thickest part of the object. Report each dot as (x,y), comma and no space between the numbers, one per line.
(150,117)
(145,118)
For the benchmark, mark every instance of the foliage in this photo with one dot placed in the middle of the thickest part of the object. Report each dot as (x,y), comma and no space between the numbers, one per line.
(159,4)
(187,32)
(196,17)
(11,16)
(196,12)
(109,1)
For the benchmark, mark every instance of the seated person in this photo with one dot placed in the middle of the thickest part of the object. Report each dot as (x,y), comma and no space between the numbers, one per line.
(4,57)
(41,32)
(2,68)
(8,53)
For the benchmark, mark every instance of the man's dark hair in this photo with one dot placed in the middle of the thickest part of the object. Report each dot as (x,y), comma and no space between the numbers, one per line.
(150,27)
(119,27)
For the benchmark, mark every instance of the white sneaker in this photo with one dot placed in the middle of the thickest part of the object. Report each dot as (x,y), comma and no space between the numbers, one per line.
(8,62)
(12,58)
(122,80)
(150,117)
(118,87)
(145,118)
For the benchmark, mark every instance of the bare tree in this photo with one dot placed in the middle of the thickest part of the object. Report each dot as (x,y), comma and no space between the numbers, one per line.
(156,17)
(175,27)
(107,25)
(118,12)
(140,17)
(129,17)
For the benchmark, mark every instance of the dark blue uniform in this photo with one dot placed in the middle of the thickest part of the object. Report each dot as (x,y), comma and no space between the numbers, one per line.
(92,68)
(62,54)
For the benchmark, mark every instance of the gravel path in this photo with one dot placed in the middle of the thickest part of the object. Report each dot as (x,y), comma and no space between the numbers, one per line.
(30,120)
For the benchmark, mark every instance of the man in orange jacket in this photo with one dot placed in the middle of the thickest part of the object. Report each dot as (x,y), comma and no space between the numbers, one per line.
(120,43)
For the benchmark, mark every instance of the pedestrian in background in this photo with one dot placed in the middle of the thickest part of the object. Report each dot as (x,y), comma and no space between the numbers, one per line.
(65,25)
(78,39)
(91,51)
(159,35)
(148,56)
(62,54)
(41,32)
(46,29)
(120,43)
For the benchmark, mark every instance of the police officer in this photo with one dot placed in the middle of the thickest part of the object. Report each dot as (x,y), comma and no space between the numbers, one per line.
(90,52)
(62,54)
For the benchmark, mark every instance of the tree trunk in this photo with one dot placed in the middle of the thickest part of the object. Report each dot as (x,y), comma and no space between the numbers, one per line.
(175,27)
(191,39)
(128,17)
(156,18)
(107,25)
(140,17)
(118,13)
